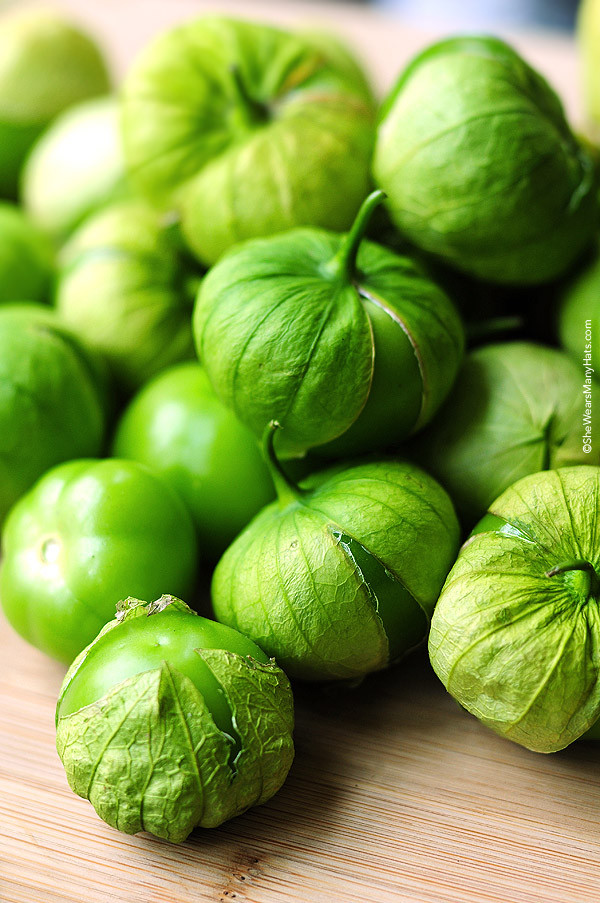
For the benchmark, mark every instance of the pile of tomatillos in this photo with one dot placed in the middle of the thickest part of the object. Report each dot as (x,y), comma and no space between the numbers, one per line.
(256,324)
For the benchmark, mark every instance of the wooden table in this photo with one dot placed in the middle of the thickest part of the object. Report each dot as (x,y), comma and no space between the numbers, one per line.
(395,794)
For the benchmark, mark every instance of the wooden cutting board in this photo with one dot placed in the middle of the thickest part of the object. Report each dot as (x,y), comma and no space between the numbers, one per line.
(395,795)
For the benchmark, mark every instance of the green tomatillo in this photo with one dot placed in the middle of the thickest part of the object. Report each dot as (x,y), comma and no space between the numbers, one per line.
(87,533)
(169,721)
(126,285)
(42,316)
(177,425)
(75,167)
(339,577)
(516,408)
(480,166)
(247,130)
(328,334)
(515,636)
(26,258)
(52,398)
(579,312)
(46,64)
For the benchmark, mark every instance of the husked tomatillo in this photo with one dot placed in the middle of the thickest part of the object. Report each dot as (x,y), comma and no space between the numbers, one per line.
(169,721)
(84,533)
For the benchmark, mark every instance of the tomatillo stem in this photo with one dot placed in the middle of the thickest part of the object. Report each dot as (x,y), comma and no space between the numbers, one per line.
(253,111)
(343,264)
(578,564)
(287,490)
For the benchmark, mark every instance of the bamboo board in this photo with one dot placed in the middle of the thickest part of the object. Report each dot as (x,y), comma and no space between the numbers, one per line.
(395,795)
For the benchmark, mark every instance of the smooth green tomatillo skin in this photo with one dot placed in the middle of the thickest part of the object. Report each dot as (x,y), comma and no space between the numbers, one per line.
(480,167)
(86,533)
(516,408)
(75,168)
(284,337)
(246,131)
(404,622)
(26,258)
(174,637)
(295,584)
(178,426)
(126,286)
(515,643)
(579,301)
(200,737)
(51,401)
(46,64)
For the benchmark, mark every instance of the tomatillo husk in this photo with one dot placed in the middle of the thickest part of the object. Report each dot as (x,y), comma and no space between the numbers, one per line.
(516,408)
(169,721)
(515,636)
(339,577)
(480,166)
(247,130)
(330,335)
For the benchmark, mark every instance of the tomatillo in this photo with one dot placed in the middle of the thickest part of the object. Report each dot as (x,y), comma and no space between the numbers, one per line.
(246,130)
(516,408)
(579,312)
(126,285)
(46,64)
(26,258)
(515,636)
(480,166)
(75,167)
(52,398)
(87,533)
(177,425)
(169,721)
(339,577)
(328,334)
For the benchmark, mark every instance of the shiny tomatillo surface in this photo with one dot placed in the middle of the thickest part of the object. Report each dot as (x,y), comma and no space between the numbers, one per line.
(168,721)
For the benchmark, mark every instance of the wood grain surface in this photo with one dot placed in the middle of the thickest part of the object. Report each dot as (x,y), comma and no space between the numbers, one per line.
(395,794)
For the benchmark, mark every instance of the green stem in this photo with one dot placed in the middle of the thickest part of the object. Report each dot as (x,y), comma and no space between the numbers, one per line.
(579,564)
(343,264)
(547,459)
(252,111)
(287,490)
